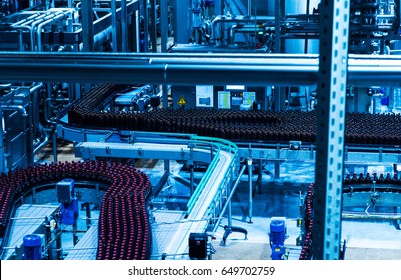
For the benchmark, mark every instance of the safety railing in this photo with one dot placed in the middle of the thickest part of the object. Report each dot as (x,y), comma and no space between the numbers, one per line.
(221,194)
(195,196)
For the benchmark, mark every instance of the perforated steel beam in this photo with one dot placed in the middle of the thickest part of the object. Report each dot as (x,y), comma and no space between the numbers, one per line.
(332,84)
(87,26)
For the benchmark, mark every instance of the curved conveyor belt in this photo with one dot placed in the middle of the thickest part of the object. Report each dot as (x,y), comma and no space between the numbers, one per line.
(267,126)
(124,229)
(223,162)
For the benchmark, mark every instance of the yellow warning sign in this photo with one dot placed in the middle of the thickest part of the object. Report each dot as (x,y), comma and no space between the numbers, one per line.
(182,101)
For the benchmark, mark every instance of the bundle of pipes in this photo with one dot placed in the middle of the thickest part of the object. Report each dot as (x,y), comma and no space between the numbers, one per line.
(36,22)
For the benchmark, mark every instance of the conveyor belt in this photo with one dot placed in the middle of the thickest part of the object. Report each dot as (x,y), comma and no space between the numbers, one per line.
(267,126)
(177,246)
(164,228)
(123,219)
(199,213)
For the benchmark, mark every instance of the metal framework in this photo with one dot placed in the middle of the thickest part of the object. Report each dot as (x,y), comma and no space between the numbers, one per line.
(211,197)
(332,85)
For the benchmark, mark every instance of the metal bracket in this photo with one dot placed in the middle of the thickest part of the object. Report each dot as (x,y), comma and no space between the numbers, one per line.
(380,154)
(278,151)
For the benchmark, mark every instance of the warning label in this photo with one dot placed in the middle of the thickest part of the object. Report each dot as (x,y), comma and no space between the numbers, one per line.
(182,101)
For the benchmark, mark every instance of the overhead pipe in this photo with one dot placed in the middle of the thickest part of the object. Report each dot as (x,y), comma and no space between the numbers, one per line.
(231,33)
(31,22)
(23,21)
(169,69)
(36,87)
(189,69)
(30,19)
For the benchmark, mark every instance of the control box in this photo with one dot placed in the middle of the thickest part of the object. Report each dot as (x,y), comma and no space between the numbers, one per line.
(198,246)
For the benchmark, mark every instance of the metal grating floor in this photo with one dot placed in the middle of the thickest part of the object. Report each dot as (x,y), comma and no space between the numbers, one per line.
(86,248)
(164,227)
(27,220)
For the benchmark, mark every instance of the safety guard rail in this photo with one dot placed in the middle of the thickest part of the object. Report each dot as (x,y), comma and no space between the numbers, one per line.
(217,145)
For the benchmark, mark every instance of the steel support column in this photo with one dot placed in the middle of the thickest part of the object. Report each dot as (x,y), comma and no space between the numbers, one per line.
(250,175)
(124,29)
(2,147)
(114,25)
(87,26)
(332,84)
(145,25)
(153,31)
(277,32)
(182,21)
(164,25)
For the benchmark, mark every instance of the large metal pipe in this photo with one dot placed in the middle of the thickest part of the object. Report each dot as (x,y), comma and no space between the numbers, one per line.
(190,69)
(169,69)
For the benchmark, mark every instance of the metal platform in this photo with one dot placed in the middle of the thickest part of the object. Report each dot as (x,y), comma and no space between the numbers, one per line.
(28,219)
(164,227)
(86,248)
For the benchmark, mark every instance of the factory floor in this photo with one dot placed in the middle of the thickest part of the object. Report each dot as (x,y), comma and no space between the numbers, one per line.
(365,239)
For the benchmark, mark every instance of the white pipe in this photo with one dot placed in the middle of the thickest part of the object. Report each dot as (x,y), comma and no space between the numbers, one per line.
(55,18)
(23,21)
(26,25)
(39,33)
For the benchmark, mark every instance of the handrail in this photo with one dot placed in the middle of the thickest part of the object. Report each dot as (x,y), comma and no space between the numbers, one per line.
(192,141)
(222,145)
(203,182)
(229,197)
